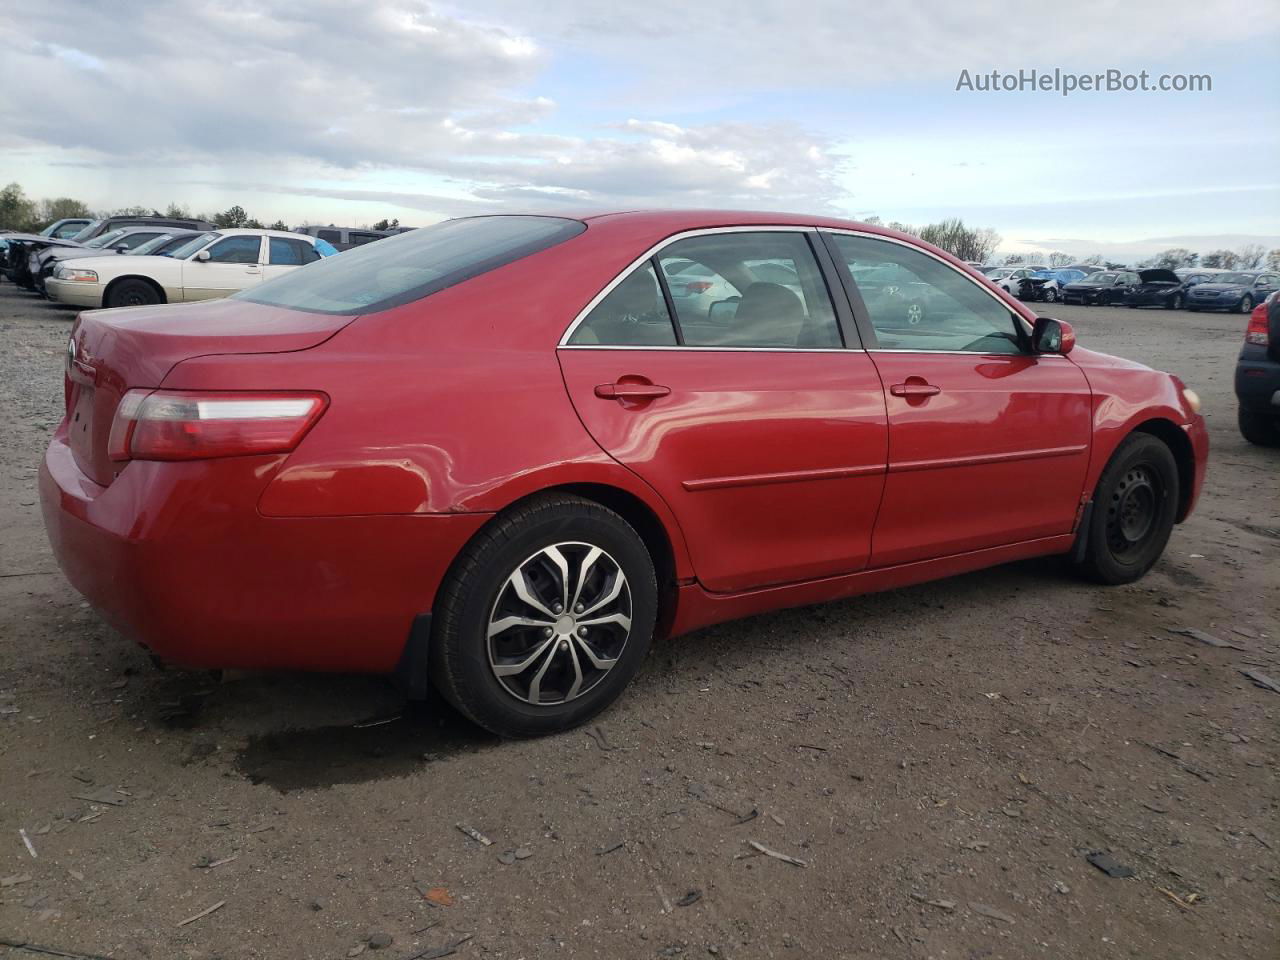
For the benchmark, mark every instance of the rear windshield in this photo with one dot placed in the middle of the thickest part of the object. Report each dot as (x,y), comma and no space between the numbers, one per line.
(410,266)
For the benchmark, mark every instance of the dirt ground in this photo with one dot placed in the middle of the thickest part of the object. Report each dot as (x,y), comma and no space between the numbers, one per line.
(942,759)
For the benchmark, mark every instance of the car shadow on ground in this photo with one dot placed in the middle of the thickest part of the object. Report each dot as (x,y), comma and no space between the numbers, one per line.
(287,737)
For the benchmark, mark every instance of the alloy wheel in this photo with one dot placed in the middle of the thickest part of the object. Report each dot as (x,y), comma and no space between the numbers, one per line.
(559,624)
(915,313)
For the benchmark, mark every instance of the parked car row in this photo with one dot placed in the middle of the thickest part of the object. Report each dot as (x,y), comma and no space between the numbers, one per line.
(30,260)
(201,266)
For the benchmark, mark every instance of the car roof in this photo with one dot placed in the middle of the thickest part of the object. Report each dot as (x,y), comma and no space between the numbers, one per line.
(254,231)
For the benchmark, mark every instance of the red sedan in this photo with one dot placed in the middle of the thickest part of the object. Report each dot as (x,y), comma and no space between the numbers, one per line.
(499,454)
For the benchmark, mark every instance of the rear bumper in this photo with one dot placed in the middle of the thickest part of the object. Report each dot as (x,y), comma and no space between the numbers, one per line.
(74,292)
(176,556)
(1258,381)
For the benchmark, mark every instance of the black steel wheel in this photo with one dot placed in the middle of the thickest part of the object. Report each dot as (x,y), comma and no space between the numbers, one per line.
(1135,506)
(132,293)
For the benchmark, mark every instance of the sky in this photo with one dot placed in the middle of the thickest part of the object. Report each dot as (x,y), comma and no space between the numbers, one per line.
(332,112)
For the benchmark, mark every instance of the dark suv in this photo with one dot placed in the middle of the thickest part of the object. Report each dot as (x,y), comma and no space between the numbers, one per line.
(1258,375)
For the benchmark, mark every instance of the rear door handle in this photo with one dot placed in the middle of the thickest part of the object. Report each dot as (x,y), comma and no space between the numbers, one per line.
(631,391)
(917,389)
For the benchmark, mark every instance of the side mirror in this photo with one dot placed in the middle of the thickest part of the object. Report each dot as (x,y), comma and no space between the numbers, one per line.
(1052,336)
(203,256)
(121,249)
(723,311)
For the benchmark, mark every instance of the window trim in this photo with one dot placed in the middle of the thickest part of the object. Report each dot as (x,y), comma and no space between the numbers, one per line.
(816,248)
(863,317)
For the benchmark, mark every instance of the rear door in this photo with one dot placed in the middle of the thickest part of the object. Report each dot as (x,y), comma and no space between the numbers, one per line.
(762,432)
(988,443)
(234,263)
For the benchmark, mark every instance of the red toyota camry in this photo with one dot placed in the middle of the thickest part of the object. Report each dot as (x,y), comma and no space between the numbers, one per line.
(498,455)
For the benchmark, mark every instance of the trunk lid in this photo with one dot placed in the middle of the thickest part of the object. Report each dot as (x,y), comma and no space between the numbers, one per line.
(113,351)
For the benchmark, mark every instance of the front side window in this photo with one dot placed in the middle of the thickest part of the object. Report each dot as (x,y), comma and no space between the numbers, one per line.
(749,290)
(238,249)
(408,267)
(917,302)
(632,314)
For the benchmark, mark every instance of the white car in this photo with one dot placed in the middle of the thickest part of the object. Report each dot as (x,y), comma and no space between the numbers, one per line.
(213,264)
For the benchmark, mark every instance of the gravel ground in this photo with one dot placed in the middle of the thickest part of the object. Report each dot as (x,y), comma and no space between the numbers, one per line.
(942,759)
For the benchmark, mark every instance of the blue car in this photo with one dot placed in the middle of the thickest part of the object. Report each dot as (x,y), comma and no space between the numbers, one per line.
(1237,292)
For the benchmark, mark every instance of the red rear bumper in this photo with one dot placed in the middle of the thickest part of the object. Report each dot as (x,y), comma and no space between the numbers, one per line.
(176,556)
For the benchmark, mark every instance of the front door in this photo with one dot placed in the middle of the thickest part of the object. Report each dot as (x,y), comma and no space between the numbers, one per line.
(234,263)
(988,443)
(762,433)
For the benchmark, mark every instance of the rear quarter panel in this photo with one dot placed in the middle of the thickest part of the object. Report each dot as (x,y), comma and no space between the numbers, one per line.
(453,404)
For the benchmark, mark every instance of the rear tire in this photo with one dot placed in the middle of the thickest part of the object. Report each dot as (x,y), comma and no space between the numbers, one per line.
(1176,302)
(1246,304)
(1259,429)
(544,617)
(132,293)
(1134,509)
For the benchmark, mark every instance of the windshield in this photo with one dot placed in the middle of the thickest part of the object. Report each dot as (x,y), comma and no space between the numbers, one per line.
(106,238)
(996,271)
(143,249)
(87,232)
(1100,278)
(192,245)
(408,267)
(1241,278)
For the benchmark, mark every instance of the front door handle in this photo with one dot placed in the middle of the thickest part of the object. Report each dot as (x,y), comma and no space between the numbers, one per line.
(915,387)
(625,390)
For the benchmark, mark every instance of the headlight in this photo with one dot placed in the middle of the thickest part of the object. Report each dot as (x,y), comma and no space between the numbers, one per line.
(73,273)
(1192,398)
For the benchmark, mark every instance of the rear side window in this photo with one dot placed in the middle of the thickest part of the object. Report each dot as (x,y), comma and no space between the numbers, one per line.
(749,290)
(632,314)
(291,253)
(408,267)
(333,236)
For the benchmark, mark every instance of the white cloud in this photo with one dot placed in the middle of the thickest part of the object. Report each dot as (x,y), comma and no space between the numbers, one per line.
(263,86)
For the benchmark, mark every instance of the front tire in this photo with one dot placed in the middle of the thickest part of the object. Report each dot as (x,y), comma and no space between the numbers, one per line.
(1176,302)
(1259,429)
(132,293)
(1246,304)
(544,617)
(1134,509)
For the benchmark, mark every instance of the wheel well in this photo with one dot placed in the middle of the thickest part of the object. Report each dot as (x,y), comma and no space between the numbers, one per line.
(1175,438)
(646,523)
(147,280)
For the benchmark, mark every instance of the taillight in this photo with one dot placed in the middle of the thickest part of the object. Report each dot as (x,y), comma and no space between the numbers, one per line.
(196,425)
(1256,332)
(698,286)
